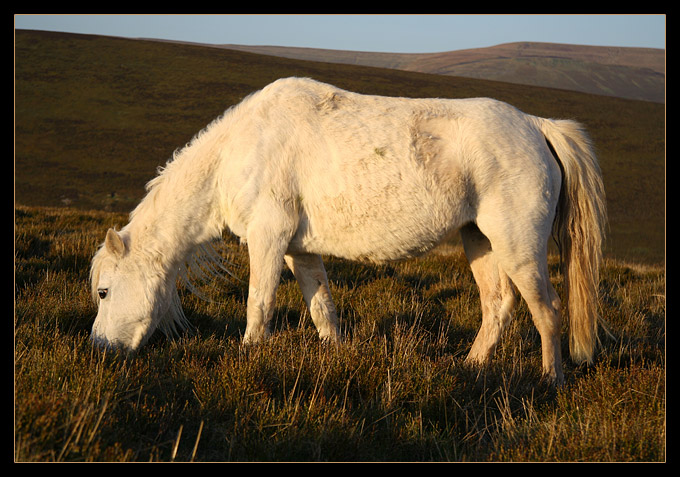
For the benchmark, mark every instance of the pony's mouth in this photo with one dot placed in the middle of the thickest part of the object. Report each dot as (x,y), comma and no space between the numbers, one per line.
(127,343)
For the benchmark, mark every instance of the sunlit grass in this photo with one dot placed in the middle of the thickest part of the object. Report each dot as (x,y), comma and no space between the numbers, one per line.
(396,389)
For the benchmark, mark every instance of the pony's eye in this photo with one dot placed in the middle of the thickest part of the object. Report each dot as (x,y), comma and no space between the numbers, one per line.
(103,292)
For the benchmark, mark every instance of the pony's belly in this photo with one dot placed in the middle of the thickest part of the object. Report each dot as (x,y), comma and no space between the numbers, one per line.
(389,237)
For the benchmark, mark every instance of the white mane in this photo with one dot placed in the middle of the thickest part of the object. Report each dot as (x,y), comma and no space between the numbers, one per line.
(202,263)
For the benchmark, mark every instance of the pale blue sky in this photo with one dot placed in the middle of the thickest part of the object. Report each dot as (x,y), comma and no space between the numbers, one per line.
(386,33)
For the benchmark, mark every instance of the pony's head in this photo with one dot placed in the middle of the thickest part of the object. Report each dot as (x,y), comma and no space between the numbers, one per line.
(135,292)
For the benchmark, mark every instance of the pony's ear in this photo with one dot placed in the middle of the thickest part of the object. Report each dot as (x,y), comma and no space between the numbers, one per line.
(114,243)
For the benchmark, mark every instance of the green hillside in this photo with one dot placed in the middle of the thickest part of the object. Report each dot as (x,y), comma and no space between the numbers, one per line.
(95,116)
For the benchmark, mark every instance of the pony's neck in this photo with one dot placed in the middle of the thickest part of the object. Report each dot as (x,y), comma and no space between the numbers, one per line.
(181,208)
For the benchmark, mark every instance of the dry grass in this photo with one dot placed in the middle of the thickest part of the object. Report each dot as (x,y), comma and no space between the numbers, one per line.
(94,116)
(395,390)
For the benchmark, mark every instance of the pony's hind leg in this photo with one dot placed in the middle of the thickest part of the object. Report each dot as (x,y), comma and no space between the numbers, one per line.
(544,304)
(311,276)
(496,293)
(525,262)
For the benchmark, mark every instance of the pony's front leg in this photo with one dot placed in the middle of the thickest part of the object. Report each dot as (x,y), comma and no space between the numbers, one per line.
(311,276)
(268,240)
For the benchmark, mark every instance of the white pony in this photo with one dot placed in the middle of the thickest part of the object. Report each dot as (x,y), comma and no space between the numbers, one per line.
(302,169)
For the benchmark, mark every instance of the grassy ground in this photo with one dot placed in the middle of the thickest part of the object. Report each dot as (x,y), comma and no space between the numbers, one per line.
(94,117)
(395,390)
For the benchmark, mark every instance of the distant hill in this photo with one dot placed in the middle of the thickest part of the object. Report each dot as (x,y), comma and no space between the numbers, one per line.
(633,73)
(96,115)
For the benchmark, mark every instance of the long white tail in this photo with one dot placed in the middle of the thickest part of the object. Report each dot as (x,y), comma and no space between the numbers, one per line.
(580,230)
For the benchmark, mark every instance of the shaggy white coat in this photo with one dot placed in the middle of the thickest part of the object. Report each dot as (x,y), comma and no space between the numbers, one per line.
(303,169)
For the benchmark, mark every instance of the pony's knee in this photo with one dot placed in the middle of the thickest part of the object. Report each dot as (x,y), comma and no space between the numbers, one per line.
(554,309)
(548,321)
(555,301)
